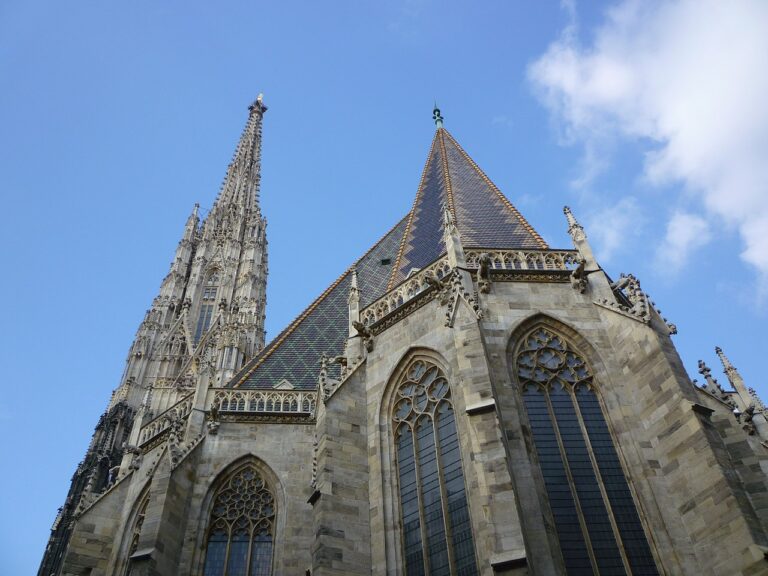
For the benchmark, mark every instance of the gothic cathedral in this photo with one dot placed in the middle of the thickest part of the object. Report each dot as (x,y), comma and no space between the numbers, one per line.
(462,400)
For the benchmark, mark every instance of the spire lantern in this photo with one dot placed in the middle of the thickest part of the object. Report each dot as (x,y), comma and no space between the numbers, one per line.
(437,117)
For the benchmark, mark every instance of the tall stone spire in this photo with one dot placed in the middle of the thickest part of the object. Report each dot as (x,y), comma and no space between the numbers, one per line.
(243,179)
(227,286)
(206,321)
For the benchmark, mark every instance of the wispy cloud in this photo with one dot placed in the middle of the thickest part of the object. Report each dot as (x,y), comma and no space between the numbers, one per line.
(690,79)
(611,226)
(502,120)
(685,234)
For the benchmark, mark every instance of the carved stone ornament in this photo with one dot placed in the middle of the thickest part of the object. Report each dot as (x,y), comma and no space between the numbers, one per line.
(325,383)
(484,273)
(713,387)
(627,290)
(455,293)
(365,334)
(313,482)
(213,421)
(579,277)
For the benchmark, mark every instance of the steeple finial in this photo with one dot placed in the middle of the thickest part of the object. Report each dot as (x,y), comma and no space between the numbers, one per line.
(437,117)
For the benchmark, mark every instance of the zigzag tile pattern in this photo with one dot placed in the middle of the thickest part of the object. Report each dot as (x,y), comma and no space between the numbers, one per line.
(295,353)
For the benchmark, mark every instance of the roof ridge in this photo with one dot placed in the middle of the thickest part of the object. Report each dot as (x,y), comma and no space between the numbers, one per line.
(407,231)
(246,371)
(498,192)
(447,175)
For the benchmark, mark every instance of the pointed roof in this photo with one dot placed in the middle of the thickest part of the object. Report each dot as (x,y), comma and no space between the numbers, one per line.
(483,215)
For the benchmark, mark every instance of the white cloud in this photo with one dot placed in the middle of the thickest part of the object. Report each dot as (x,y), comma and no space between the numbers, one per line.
(685,233)
(688,77)
(610,226)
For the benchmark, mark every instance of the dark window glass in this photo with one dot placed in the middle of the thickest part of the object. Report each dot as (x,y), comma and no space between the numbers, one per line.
(432,499)
(622,504)
(261,555)
(561,502)
(238,553)
(204,321)
(561,404)
(463,548)
(437,534)
(216,554)
(409,502)
(592,506)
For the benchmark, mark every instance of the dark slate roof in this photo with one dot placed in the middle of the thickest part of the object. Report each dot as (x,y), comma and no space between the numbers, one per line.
(484,217)
(322,328)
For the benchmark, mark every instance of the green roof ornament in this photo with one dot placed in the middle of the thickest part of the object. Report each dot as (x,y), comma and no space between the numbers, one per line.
(437,117)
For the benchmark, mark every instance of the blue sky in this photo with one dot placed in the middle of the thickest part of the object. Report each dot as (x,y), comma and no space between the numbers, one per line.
(117,117)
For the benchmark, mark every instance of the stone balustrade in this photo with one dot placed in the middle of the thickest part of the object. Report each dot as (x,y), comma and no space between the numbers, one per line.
(264,401)
(405,291)
(524,259)
(162,422)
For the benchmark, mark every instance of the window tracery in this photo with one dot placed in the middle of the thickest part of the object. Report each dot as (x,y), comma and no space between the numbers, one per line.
(596,520)
(241,530)
(436,535)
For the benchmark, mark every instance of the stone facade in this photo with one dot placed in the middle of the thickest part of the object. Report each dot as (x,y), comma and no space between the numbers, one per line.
(693,460)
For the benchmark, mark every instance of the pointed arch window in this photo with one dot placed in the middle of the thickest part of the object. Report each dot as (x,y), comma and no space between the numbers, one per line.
(436,531)
(595,516)
(138,522)
(207,305)
(240,537)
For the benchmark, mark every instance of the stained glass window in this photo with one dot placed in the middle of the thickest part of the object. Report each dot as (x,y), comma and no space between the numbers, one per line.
(241,530)
(595,516)
(437,536)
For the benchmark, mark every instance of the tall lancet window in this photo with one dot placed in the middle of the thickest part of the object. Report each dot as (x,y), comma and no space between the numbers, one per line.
(207,305)
(242,526)
(595,516)
(138,522)
(436,535)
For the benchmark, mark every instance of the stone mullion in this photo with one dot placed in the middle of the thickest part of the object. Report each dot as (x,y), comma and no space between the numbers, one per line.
(443,495)
(600,483)
(419,489)
(571,483)
(250,549)
(229,545)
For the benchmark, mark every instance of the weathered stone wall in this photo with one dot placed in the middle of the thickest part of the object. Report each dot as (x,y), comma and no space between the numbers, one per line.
(95,534)
(340,504)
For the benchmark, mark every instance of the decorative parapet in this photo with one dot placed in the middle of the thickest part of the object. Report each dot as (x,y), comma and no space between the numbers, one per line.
(525,261)
(405,291)
(164,421)
(269,402)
